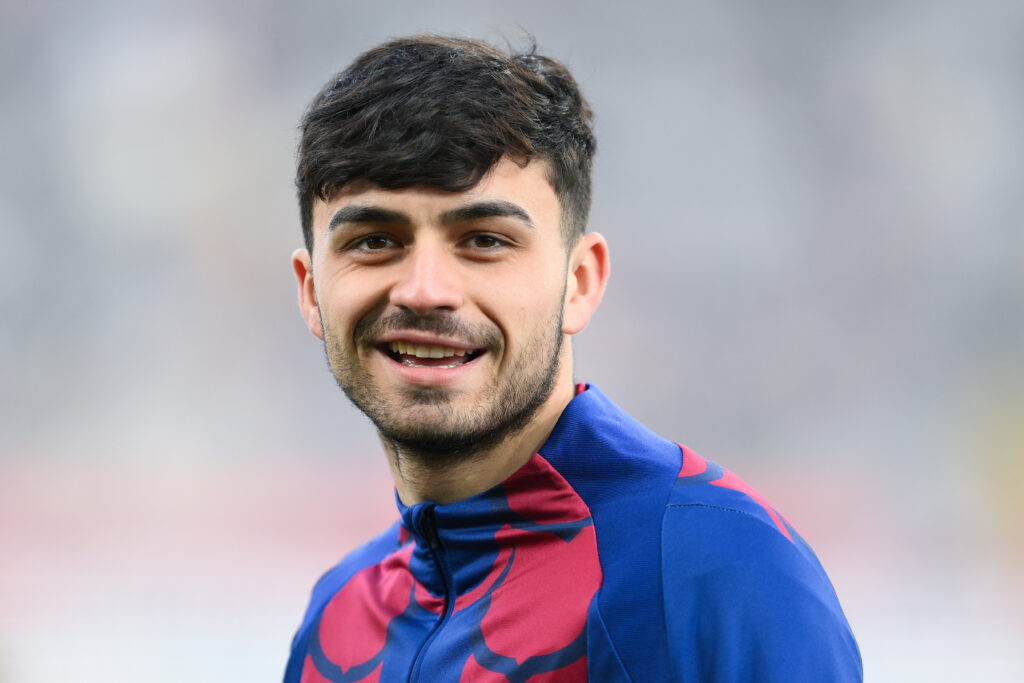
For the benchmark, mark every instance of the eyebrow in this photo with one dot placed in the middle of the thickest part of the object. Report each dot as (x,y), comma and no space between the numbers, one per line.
(365,214)
(489,209)
(356,213)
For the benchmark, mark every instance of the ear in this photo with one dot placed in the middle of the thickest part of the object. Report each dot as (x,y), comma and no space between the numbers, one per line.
(308,306)
(588,275)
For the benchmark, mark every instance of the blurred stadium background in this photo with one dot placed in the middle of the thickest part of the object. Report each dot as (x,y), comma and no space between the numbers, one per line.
(816,218)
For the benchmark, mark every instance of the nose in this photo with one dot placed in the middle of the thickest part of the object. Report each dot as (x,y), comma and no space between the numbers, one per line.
(428,281)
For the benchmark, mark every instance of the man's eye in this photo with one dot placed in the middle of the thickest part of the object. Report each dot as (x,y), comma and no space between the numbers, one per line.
(373,243)
(485,242)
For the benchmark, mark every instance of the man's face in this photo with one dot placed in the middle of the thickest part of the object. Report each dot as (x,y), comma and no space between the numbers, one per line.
(441,312)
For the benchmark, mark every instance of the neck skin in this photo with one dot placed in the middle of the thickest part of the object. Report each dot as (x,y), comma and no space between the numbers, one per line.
(466,477)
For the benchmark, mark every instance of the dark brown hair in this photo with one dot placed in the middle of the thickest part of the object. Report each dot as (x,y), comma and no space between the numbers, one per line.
(441,112)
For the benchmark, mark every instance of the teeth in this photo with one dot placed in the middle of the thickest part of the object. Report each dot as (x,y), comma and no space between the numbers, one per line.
(407,349)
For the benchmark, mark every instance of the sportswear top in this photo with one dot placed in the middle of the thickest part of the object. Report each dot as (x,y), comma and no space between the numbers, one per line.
(611,555)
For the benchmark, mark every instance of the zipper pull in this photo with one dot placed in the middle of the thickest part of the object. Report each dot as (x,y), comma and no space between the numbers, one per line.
(429,528)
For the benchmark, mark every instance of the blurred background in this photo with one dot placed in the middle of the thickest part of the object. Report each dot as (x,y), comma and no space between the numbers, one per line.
(816,217)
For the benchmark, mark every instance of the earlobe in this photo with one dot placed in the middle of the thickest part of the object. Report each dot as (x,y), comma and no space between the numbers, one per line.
(587,277)
(308,305)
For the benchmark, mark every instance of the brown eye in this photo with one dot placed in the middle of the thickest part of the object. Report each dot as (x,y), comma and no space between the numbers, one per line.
(485,242)
(374,243)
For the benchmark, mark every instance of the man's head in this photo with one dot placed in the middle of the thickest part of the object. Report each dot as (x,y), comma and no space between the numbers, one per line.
(441,112)
(444,188)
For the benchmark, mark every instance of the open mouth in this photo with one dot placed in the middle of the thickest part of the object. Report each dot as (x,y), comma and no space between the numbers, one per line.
(421,356)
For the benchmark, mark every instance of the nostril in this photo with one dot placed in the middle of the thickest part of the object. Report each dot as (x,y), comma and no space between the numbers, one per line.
(428,282)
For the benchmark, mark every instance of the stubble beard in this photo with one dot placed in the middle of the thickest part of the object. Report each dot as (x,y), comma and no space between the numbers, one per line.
(422,423)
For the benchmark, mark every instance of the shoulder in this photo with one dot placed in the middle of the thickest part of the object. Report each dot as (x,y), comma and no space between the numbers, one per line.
(703,486)
(607,456)
(366,555)
(743,592)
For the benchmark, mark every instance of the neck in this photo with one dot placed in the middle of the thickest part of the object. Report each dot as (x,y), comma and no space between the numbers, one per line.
(418,480)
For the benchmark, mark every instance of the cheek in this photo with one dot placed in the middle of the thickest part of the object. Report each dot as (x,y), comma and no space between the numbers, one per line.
(531,315)
(345,301)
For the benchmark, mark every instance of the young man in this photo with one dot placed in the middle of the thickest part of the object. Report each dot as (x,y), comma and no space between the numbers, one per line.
(544,535)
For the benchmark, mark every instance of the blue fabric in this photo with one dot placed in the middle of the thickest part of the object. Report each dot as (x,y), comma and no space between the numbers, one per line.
(754,608)
(700,578)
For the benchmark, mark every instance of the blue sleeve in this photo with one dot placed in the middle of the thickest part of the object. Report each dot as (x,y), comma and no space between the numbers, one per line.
(745,603)
(325,589)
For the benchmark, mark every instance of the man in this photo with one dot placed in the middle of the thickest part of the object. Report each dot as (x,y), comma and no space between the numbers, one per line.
(544,535)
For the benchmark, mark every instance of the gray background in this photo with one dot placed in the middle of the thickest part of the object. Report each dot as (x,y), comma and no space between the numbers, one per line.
(815,217)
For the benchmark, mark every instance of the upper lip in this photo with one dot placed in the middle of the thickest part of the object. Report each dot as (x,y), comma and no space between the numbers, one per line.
(424,339)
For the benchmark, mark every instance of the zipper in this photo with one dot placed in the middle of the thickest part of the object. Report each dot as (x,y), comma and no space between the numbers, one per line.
(428,527)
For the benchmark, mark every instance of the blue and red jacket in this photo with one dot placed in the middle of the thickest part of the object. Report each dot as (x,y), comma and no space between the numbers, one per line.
(611,555)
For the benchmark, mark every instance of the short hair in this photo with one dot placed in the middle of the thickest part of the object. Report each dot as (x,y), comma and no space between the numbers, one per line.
(441,112)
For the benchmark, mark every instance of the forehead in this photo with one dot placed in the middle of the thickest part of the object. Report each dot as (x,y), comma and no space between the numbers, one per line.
(527,187)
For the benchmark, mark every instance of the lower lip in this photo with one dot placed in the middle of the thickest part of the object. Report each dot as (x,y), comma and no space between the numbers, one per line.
(430,376)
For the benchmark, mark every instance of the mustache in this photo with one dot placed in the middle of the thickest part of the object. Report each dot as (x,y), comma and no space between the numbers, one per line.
(441,323)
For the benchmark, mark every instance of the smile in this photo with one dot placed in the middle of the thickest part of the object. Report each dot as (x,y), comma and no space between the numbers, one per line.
(426,356)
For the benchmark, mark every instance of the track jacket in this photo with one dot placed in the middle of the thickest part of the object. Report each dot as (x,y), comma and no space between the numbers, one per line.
(611,555)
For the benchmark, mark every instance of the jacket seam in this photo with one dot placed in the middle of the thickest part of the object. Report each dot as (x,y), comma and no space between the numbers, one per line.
(600,563)
(723,509)
(611,641)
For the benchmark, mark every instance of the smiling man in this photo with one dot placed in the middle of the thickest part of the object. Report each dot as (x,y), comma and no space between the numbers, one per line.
(544,535)
(443,315)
